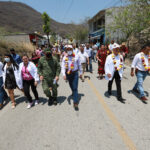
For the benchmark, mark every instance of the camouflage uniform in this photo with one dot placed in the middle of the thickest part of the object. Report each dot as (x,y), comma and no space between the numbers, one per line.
(49,69)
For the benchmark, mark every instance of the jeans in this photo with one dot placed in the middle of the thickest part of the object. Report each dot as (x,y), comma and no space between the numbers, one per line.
(141,75)
(90,64)
(118,84)
(73,82)
(3,93)
(26,87)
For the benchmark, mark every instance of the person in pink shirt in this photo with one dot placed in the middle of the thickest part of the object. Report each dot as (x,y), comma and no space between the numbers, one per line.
(38,52)
(28,72)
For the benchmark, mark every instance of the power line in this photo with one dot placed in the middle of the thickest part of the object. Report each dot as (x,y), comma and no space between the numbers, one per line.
(67,11)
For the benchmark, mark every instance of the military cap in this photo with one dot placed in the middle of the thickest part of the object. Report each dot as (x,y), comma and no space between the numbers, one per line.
(47,50)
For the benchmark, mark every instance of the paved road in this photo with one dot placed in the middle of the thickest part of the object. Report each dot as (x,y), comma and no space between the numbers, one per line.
(102,123)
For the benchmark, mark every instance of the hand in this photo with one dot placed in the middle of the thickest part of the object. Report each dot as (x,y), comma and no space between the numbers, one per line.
(109,75)
(35,83)
(99,60)
(132,74)
(81,76)
(41,78)
(56,78)
(65,78)
(88,63)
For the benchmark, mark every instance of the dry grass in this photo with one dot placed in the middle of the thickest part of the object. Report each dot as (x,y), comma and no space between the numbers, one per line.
(19,47)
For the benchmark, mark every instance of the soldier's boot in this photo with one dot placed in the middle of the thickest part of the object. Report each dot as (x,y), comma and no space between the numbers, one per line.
(55,101)
(50,101)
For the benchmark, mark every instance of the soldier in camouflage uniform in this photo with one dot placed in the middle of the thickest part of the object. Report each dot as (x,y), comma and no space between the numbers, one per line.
(49,70)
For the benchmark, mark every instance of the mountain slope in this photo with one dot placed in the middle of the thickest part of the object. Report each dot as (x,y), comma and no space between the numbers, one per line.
(19,17)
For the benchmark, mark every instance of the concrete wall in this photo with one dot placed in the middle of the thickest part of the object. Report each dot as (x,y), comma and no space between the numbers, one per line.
(17,38)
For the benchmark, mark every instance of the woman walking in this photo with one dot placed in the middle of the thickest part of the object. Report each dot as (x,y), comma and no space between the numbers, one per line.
(30,78)
(11,77)
(101,57)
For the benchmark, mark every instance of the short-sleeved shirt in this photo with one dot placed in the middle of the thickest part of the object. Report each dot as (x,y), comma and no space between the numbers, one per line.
(83,57)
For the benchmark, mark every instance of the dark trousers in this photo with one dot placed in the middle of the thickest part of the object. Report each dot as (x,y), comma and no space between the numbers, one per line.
(3,93)
(118,84)
(73,82)
(26,87)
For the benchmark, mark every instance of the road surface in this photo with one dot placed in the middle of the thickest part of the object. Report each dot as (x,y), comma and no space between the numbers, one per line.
(102,122)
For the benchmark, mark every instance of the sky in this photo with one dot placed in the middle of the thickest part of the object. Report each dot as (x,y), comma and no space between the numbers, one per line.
(67,11)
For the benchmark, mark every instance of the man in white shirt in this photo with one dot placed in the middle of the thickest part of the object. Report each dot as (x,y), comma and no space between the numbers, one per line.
(111,45)
(84,58)
(114,70)
(141,64)
(88,50)
(70,66)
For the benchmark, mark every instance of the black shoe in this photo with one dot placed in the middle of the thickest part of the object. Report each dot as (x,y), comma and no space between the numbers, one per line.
(55,101)
(76,107)
(109,93)
(122,100)
(50,101)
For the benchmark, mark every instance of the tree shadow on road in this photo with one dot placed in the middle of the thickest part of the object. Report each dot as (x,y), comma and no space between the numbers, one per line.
(71,98)
(137,95)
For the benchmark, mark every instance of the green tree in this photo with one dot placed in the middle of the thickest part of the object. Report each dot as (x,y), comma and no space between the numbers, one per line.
(46,25)
(53,38)
(81,34)
(131,18)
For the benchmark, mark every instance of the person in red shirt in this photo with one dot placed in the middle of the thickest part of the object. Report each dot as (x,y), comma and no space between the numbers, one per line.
(101,57)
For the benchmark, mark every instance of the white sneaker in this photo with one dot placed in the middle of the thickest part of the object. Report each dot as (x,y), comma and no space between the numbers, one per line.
(36,102)
(29,105)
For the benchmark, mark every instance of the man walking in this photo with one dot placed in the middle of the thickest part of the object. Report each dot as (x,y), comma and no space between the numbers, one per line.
(49,70)
(70,66)
(88,50)
(114,70)
(84,58)
(141,64)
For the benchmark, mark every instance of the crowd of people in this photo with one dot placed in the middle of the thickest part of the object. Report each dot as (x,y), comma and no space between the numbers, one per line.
(72,61)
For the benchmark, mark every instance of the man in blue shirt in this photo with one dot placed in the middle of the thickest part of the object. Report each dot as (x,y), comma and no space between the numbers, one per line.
(15,56)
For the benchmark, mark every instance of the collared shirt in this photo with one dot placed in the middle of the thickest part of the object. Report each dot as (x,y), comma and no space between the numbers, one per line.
(1,66)
(17,58)
(83,57)
(77,65)
(137,62)
(110,67)
(89,51)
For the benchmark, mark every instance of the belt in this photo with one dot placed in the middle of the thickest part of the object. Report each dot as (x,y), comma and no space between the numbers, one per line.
(136,70)
(72,72)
